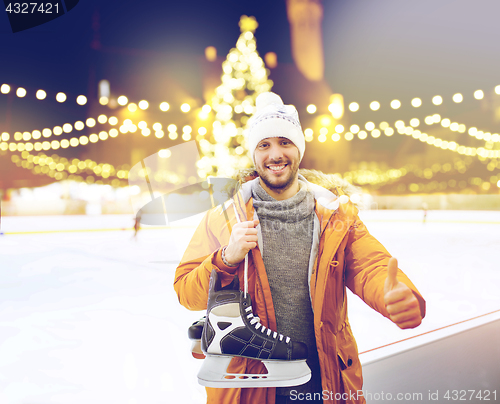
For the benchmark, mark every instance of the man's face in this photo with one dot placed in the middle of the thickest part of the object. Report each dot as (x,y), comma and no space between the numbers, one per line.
(277,163)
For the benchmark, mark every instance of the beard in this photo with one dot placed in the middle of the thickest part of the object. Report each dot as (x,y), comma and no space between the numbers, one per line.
(279,183)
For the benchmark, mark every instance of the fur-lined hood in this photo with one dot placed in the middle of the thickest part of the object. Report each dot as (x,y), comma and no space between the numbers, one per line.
(330,182)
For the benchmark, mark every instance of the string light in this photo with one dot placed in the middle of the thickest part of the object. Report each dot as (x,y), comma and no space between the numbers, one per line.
(311,108)
(395,104)
(61,97)
(21,92)
(401,128)
(61,168)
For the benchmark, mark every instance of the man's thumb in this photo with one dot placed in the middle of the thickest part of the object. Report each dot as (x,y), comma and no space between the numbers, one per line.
(392,273)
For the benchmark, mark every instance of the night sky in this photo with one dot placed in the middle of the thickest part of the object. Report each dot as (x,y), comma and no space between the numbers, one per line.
(374,50)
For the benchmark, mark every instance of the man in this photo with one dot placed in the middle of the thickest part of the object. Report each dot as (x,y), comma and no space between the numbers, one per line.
(304,248)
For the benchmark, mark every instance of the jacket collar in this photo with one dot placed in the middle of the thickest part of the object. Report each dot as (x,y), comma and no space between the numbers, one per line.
(323,196)
(327,203)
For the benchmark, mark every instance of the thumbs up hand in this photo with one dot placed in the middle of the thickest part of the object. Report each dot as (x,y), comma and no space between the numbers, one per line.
(400,302)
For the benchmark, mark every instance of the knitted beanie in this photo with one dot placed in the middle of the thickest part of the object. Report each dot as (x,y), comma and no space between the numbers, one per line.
(274,119)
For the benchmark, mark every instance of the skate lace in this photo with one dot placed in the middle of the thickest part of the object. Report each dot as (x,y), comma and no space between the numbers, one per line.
(255,321)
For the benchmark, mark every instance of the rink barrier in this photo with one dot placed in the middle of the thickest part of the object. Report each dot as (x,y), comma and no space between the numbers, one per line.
(431,331)
(194,226)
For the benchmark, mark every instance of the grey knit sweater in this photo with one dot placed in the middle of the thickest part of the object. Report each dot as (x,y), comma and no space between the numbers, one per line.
(287,233)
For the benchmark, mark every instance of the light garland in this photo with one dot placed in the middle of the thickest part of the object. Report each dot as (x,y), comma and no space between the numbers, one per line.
(81,100)
(127,126)
(60,97)
(417,102)
(461,128)
(376,177)
(60,168)
(402,129)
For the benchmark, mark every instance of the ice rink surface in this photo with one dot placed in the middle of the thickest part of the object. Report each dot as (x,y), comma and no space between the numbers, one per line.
(89,315)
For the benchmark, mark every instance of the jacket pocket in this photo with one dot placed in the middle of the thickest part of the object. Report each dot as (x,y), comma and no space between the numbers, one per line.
(347,356)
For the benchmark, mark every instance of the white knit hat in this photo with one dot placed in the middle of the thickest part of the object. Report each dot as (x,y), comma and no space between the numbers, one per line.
(274,119)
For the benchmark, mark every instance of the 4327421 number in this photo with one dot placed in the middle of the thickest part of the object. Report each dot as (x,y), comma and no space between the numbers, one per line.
(32,8)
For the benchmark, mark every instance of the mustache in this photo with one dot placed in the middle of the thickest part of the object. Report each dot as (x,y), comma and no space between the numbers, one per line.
(279,161)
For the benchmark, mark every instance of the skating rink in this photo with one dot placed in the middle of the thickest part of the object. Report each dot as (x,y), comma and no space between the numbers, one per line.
(89,315)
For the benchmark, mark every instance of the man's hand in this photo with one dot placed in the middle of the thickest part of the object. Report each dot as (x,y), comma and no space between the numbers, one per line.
(400,301)
(243,239)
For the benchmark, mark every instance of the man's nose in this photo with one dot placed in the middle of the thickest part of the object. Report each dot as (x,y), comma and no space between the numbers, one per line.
(276,152)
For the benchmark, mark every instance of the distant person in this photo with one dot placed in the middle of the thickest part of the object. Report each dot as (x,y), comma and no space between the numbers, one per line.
(137,225)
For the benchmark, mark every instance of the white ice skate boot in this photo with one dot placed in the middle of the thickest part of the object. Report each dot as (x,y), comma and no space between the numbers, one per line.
(231,330)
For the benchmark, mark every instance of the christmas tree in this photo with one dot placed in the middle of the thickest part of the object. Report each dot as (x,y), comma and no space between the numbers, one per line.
(244,78)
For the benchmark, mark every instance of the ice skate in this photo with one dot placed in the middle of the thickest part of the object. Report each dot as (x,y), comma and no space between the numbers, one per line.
(231,330)
(194,334)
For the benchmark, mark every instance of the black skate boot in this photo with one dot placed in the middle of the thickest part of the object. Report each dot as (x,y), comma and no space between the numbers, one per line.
(231,330)
(194,334)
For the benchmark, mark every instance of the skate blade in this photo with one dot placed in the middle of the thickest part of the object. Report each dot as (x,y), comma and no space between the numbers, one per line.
(213,373)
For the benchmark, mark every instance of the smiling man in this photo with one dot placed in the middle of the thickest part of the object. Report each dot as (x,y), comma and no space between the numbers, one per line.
(304,248)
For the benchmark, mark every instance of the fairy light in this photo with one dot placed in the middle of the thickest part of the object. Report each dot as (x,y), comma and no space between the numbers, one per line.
(353,107)
(81,100)
(478,94)
(369,126)
(437,100)
(164,106)
(308,133)
(395,104)
(21,92)
(416,102)
(5,89)
(311,108)
(61,97)
(122,100)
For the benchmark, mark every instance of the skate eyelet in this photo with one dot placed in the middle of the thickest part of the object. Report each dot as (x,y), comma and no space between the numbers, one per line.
(229,377)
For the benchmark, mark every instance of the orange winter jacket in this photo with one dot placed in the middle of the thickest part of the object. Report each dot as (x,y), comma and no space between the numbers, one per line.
(343,254)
